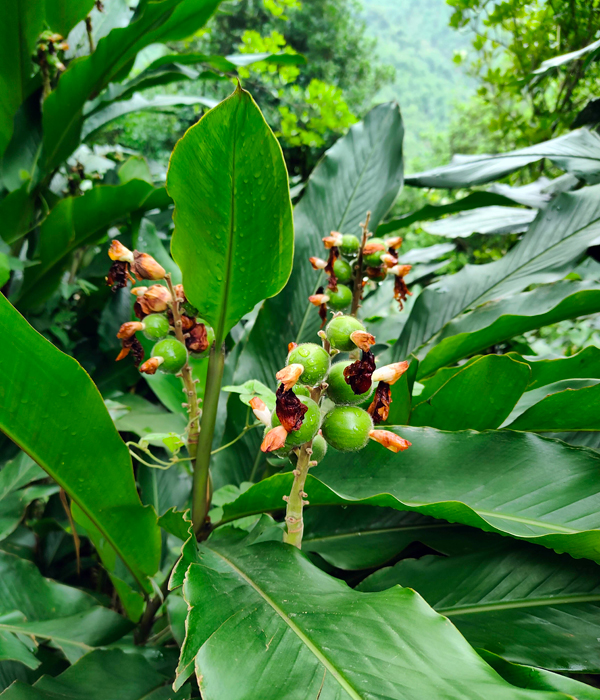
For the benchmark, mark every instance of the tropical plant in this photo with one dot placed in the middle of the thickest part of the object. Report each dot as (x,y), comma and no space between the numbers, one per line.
(442,567)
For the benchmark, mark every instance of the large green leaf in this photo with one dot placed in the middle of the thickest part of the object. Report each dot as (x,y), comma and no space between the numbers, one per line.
(35,606)
(558,237)
(362,171)
(63,15)
(261,620)
(480,395)
(501,481)
(568,410)
(233,237)
(101,675)
(582,365)
(497,321)
(22,22)
(577,152)
(550,63)
(52,410)
(63,109)
(76,221)
(489,220)
(527,604)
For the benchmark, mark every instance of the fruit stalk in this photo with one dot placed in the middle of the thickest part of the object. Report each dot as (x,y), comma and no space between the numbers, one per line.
(295,501)
(358,274)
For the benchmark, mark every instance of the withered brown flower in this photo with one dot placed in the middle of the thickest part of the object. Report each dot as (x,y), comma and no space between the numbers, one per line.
(274,439)
(358,374)
(380,406)
(134,346)
(289,409)
(390,440)
(197,340)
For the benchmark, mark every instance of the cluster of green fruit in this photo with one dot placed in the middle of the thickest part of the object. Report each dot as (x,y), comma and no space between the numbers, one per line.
(317,401)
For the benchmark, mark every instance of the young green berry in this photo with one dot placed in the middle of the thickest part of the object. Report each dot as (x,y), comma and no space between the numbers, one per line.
(156,326)
(319,448)
(339,391)
(315,361)
(350,245)
(347,428)
(340,299)
(173,353)
(374,258)
(338,332)
(342,270)
(308,429)
(301,390)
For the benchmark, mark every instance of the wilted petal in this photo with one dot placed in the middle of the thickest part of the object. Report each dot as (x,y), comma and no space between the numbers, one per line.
(373,247)
(394,242)
(289,375)
(318,263)
(151,365)
(389,260)
(363,340)
(390,373)
(197,340)
(379,409)
(291,346)
(274,439)
(118,275)
(118,251)
(260,410)
(390,440)
(358,374)
(155,299)
(290,410)
(401,291)
(128,329)
(334,239)
(145,267)
(133,345)
(400,270)
(318,299)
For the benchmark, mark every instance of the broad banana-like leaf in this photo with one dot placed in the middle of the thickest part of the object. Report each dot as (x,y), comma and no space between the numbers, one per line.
(508,482)
(557,61)
(260,620)
(527,604)
(497,321)
(63,15)
(577,152)
(488,220)
(557,238)
(584,364)
(50,407)
(361,172)
(233,238)
(479,395)
(535,396)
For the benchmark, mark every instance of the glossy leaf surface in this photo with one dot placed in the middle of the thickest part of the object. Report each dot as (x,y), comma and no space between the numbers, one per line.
(490,220)
(234,234)
(52,410)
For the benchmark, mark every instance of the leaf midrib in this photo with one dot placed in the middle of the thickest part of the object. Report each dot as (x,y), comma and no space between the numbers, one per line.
(352,692)
(380,531)
(518,603)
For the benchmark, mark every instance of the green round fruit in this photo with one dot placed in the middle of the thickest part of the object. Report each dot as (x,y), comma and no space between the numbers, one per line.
(340,392)
(173,353)
(350,245)
(319,448)
(338,332)
(347,428)
(156,326)
(308,429)
(315,361)
(374,260)
(342,270)
(301,390)
(340,299)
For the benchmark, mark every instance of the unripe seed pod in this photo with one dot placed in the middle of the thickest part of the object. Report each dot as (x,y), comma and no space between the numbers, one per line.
(339,330)
(342,270)
(315,361)
(347,428)
(340,299)
(301,390)
(173,353)
(339,391)
(350,245)
(319,448)
(309,427)
(374,249)
(156,326)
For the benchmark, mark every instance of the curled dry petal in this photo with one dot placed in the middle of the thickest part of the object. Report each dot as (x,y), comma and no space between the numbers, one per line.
(145,267)
(118,251)
(290,410)
(372,247)
(274,439)
(389,260)
(289,375)
(139,291)
(117,275)
(260,410)
(197,340)
(400,270)
(129,328)
(188,323)
(390,440)
(390,373)
(179,293)
(291,346)
(334,239)
(318,263)
(155,299)
(363,340)
(334,254)
(401,291)
(358,374)
(379,409)
(318,299)
(394,242)
(151,365)
(133,345)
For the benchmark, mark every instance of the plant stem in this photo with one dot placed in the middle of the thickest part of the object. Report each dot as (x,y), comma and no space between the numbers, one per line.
(358,274)
(200,496)
(295,501)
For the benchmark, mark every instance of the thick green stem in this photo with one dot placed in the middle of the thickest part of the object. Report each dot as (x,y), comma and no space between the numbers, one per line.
(295,501)
(200,496)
